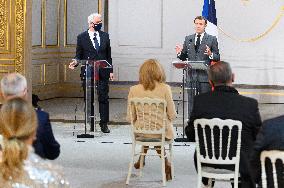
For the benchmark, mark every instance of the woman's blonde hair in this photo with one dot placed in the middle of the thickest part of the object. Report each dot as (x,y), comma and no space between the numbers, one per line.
(18,122)
(151,71)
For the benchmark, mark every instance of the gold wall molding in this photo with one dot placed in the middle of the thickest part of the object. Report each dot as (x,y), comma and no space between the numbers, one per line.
(66,45)
(20,35)
(43,58)
(260,36)
(7,59)
(37,78)
(48,53)
(4,65)
(46,73)
(51,73)
(15,30)
(43,23)
(57,29)
(4,29)
(71,76)
(43,27)
(57,25)
(100,6)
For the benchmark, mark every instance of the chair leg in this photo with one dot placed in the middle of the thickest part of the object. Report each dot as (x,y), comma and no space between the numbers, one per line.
(210,182)
(131,163)
(172,160)
(236,181)
(199,181)
(163,165)
(141,160)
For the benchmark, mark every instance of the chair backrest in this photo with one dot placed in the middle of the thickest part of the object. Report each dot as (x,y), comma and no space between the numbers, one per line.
(148,116)
(273,155)
(209,142)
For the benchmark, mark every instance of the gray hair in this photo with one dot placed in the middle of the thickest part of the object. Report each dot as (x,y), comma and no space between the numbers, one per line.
(220,73)
(13,84)
(92,16)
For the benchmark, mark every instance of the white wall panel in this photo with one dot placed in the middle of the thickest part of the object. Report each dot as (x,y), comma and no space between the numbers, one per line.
(140,27)
(77,14)
(36,22)
(52,21)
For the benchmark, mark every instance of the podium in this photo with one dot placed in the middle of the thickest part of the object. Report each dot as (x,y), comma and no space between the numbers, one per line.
(190,83)
(90,75)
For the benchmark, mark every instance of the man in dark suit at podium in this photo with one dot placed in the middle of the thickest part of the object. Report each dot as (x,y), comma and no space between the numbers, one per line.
(94,44)
(199,47)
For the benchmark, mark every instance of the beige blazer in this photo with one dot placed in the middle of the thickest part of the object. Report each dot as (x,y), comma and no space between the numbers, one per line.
(161,91)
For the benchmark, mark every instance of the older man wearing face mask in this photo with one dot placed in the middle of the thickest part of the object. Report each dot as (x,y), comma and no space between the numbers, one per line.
(94,44)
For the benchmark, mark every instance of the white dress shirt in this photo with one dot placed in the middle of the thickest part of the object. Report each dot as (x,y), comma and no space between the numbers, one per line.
(92,35)
(201,37)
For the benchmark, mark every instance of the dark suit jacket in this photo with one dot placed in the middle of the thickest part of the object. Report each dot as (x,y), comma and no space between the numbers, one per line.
(189,52)
(85,50)
(270,137)
(45,144)
(226,103)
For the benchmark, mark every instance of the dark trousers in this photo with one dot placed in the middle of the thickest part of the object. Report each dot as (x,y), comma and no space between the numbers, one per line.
(102,90)
(197,82)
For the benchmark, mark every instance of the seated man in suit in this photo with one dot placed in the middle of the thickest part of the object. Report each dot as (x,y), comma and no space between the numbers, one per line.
(226,103)
(270,137)
(15,85)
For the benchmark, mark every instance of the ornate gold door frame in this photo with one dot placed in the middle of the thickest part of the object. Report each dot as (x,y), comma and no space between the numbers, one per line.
(15,39)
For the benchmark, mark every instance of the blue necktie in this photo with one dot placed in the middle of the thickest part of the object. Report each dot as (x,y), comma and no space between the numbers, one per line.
(97,46)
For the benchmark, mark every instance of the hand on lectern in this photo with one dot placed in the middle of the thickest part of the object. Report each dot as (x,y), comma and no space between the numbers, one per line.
(72,64)
(111,76)
(178,48)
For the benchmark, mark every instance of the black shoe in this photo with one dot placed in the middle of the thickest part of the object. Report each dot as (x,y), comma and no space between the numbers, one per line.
(104,129)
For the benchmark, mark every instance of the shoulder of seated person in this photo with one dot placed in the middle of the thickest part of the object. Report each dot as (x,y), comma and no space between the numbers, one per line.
(165,87)
(248,99)
(41,111)
(138,86)
(279,120)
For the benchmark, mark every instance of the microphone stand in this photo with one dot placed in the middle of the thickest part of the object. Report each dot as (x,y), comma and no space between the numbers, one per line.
(183,139)
(86,135)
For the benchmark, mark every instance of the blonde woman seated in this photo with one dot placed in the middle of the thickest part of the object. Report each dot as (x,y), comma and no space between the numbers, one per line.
(19,166)
(152,85)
